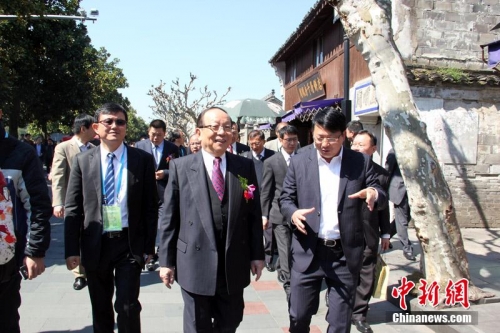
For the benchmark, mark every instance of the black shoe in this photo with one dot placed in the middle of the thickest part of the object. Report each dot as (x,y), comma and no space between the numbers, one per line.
(362,326)
(79,283)
(409,255)
(390,246)
(270,267)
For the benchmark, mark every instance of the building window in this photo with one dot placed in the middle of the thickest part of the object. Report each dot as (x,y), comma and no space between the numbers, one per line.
(318,51)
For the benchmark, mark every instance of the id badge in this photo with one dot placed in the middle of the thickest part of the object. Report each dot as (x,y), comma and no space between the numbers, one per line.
(112,216)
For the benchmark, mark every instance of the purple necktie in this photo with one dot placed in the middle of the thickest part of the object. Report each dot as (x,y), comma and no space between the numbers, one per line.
(217,179)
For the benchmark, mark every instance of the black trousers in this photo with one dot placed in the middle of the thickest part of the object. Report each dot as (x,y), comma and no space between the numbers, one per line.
(225,310)
(283,240)
(117,268)
(306,287)
(10,297)
(365,287)
(402,216)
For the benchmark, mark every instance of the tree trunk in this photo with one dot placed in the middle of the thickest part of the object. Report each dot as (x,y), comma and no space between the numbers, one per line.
(368,25)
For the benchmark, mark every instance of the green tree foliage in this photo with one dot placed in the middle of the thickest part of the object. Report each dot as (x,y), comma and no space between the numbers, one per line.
(136,126)
(50,71)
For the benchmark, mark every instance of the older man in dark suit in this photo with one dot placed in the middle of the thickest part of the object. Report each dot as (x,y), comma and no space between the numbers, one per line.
(377,230)
(111,221)
(163,152)
(211,230)
(272,183)
(322,198)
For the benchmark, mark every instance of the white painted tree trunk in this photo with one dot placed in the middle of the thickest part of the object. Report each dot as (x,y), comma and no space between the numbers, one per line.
(368,25)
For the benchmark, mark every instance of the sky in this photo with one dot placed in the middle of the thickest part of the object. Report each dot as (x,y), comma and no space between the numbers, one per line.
(224,43)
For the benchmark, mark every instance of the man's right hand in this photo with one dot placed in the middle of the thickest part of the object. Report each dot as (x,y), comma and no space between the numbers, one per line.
(59,211)
(72,262)
(167,275)
(299,219)
(265,223)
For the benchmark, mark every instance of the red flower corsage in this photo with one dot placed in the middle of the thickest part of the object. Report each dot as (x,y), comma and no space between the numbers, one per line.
(247,189)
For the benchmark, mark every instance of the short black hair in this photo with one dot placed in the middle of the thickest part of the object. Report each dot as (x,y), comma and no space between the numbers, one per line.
(110,108)
(82,120)
(330,118)
(237,125)
(288,129)
(158,123)
(174,135)
(373,138)
(355,126)
(256,133)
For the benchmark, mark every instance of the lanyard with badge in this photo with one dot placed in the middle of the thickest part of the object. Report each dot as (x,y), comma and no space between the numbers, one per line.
(112,214)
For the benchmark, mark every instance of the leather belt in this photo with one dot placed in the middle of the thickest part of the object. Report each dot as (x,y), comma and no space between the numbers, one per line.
(116,234)
(331,243)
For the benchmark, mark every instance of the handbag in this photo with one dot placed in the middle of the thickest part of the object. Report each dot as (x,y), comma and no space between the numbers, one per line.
(381,278)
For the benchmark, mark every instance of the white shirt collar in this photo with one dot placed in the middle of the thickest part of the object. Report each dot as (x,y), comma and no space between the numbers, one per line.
(336,159)
(208,160)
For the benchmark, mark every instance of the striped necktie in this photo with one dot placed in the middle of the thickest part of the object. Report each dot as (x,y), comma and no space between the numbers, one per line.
(109,181)
(218,179)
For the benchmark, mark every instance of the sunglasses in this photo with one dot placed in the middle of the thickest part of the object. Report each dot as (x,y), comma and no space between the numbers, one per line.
(108,122)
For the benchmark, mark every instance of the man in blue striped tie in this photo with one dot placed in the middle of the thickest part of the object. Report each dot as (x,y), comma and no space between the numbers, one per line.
(111,221)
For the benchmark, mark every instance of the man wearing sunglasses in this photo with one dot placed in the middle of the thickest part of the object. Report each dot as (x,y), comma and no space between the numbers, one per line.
(111,220)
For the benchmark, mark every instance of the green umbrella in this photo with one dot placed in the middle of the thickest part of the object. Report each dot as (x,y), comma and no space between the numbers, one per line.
(251,110)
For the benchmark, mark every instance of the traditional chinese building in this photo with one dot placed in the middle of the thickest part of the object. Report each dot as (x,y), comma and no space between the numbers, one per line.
(450,51)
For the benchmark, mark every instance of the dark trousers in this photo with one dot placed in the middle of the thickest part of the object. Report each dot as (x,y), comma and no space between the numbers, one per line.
(225,310)
(116,268)
(10,297)
(403,217)
(306,287)
(283,240)
(268,244)
(365,287)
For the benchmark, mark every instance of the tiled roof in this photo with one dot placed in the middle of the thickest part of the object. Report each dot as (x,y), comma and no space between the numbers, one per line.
(303,26)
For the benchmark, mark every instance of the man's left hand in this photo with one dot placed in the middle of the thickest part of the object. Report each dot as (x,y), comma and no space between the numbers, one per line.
(159,175)
(370,194)
(384,243)
(35,266)
(257,266)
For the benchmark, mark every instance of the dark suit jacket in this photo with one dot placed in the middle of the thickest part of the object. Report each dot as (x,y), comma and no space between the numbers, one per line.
(272,183)
(170,151)
(259,164)
(241,148)
(83,225)
(187,238)
(377,222)
(397,188)
(301,189)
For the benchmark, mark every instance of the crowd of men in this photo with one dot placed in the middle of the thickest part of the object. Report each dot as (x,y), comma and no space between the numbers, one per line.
(321,209)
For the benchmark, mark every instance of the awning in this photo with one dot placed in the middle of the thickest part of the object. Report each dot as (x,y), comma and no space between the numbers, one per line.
(305,110)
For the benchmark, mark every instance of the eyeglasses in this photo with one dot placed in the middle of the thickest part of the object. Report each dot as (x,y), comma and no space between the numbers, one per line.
(108,122)
(198,143)
(257,143)
(329,139)
(216,128)
(291,140)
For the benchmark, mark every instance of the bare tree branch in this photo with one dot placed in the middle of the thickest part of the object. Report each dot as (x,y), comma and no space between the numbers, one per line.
(179,105)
